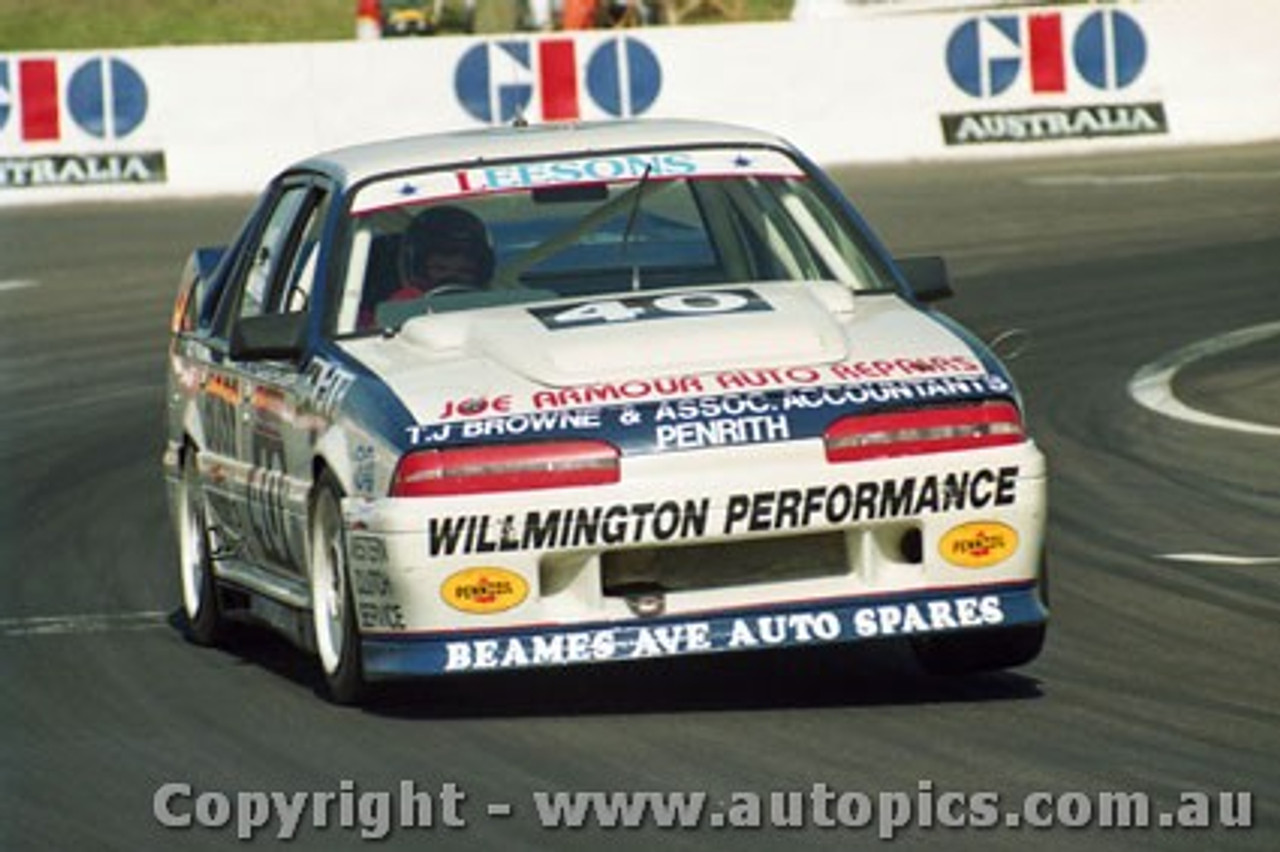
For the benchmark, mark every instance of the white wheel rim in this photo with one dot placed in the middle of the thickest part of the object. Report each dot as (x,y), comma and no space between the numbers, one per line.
(328,594)
(192,546)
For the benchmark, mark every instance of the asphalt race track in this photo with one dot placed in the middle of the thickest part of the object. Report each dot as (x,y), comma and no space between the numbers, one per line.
(1160,676)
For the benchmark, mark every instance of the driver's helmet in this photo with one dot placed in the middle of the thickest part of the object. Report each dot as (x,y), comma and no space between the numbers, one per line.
(446,245)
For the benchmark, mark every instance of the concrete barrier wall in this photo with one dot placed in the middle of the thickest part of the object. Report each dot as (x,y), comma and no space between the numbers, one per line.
(874,87)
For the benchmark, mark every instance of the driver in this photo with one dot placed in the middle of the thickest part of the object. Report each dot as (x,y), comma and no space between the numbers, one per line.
(444,248)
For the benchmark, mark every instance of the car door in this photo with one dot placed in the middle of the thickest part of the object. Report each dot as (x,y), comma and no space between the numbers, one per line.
(273,435)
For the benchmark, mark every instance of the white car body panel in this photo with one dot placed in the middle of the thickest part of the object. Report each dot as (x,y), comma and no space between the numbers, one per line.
(520,375)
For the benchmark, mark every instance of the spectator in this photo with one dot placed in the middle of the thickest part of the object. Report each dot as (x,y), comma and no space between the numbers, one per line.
(580,14)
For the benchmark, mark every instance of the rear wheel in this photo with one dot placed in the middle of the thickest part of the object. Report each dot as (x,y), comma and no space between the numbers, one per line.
(979,651)
(333,614)
(205,625)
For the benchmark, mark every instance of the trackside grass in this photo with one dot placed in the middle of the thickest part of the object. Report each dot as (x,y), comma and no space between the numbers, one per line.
(27,25)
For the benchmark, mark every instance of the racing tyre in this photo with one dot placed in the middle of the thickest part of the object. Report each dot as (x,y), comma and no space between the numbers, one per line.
(979,651)
(333,614)
(205,625)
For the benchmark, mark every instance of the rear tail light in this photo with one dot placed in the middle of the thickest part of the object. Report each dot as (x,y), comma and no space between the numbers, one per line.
(931,430)
(505,467)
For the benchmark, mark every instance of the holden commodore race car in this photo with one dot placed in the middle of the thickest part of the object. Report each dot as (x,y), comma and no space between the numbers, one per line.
(569,394)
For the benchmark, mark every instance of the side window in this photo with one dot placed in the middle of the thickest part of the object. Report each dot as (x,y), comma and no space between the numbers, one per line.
(302,269)
(268,252)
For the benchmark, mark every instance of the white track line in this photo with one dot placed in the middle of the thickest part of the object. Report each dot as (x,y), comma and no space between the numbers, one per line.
(1219,559)
(1142,179)
(1152,386)
(16,284)
(57,625)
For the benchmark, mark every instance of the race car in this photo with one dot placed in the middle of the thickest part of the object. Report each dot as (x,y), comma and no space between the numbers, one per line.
(589,393)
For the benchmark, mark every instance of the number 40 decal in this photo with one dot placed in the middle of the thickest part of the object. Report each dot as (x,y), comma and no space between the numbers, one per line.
(640,308)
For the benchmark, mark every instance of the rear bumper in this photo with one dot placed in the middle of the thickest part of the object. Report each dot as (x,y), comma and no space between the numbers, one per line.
(725,532)
(790,625)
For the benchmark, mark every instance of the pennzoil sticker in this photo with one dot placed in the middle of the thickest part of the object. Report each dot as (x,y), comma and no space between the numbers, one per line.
(484,590)
(978,544)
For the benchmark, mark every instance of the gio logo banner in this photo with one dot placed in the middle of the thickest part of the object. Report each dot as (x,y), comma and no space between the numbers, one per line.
(106,98)
(48,102)
(1049,55)
(986,56)
(497,81)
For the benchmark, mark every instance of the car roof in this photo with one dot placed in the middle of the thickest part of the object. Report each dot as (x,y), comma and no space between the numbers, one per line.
(355,163)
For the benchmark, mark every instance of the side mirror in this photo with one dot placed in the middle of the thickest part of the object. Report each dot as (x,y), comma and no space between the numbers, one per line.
(927,277)
(268,337)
